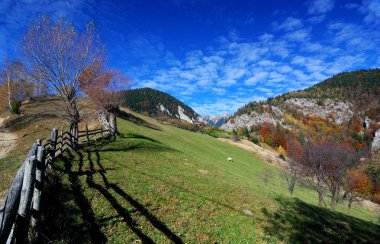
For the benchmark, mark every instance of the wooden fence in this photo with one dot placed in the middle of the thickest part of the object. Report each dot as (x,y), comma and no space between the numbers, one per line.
(21,211)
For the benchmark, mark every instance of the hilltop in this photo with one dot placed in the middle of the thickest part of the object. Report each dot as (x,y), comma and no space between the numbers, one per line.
(353,92)
(347,102)
(158,104)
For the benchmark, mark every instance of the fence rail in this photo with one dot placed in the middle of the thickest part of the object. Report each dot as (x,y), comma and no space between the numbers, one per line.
(21,211)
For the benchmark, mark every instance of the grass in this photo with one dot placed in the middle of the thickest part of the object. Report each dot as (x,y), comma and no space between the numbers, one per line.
(158,183)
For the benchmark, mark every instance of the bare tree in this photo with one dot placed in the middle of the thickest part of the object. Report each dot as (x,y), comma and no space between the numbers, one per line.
(266,175)
(103,87)
(292,173)
(337,161)
(14,86)
(309,156)
(326,164)
(56,55)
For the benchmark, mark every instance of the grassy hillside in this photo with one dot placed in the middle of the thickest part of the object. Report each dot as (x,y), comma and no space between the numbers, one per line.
(160,183)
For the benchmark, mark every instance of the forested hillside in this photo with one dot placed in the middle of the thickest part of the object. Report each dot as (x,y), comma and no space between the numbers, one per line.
(158,104)
(361,88)
(343,109)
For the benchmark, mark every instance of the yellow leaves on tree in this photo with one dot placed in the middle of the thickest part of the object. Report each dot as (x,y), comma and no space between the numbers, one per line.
(359,183)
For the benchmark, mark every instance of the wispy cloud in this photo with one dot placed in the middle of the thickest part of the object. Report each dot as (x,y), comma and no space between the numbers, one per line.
(15,16)
(290,23)
(318,10)
(320,6)
(291,57)
(297,50)
(371,10)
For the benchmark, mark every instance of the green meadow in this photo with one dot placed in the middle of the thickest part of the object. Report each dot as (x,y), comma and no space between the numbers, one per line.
(159,183)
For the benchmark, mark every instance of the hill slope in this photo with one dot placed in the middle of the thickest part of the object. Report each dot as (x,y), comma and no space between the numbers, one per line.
(159,183)
(348,102)
(359,91)
(158,104)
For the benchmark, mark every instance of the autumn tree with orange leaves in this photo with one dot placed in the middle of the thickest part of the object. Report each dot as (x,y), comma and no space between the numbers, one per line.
(102,87)
(357,187)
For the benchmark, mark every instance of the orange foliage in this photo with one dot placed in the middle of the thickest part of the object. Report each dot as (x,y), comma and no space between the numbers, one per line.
(265,131)
(376,197)
(359,182)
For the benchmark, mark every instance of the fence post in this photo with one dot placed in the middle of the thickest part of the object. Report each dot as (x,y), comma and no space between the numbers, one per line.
(76,137)
(22,219)
(53,138)
(38,185)
(62,141)
(87,137)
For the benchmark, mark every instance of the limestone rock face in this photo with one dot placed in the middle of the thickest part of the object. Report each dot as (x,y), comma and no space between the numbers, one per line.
(337,112)
(340,112)
(183,116)
(250,120)
(213,120)
(376,142)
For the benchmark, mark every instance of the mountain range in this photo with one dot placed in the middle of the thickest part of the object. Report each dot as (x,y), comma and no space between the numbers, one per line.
(349,101)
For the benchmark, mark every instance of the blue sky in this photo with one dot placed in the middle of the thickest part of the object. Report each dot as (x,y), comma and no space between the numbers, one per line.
(218,55)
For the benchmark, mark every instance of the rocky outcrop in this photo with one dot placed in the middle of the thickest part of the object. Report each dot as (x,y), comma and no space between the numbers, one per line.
(249,120)
(214,120)
(164,110)
(336,111)
(375,147)
(182,116)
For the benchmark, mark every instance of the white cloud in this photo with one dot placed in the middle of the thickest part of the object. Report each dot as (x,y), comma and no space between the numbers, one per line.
(371,10)
(237,71)
(226,83)
(320,6)
(289,24)
(259,76)
(15,16)
(298,35)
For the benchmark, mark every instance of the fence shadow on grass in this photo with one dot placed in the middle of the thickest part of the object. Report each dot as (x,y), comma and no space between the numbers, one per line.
(60,215)
(23,121)
(128,142)
(154,221)
(300,222)
(67,215)
(136,120)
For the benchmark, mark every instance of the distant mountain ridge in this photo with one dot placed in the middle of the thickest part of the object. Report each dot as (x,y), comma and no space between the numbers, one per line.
(214,120)
(158,104)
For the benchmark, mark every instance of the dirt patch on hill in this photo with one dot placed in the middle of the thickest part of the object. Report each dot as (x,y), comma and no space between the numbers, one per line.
(7,140)
(374,207)
(7,143)
(267,155)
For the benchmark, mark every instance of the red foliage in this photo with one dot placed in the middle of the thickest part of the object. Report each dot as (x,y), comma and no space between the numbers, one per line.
(265,131)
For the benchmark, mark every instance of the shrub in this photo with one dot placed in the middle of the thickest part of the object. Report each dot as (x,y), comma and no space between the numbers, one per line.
(15,109)
(376,197)
(255,140)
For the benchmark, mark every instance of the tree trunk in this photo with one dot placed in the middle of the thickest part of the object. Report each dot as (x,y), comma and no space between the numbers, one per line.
(319,189)
(349,204)
(333,199)
(9,92)
(113,123)
(320,197)
(74,134)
